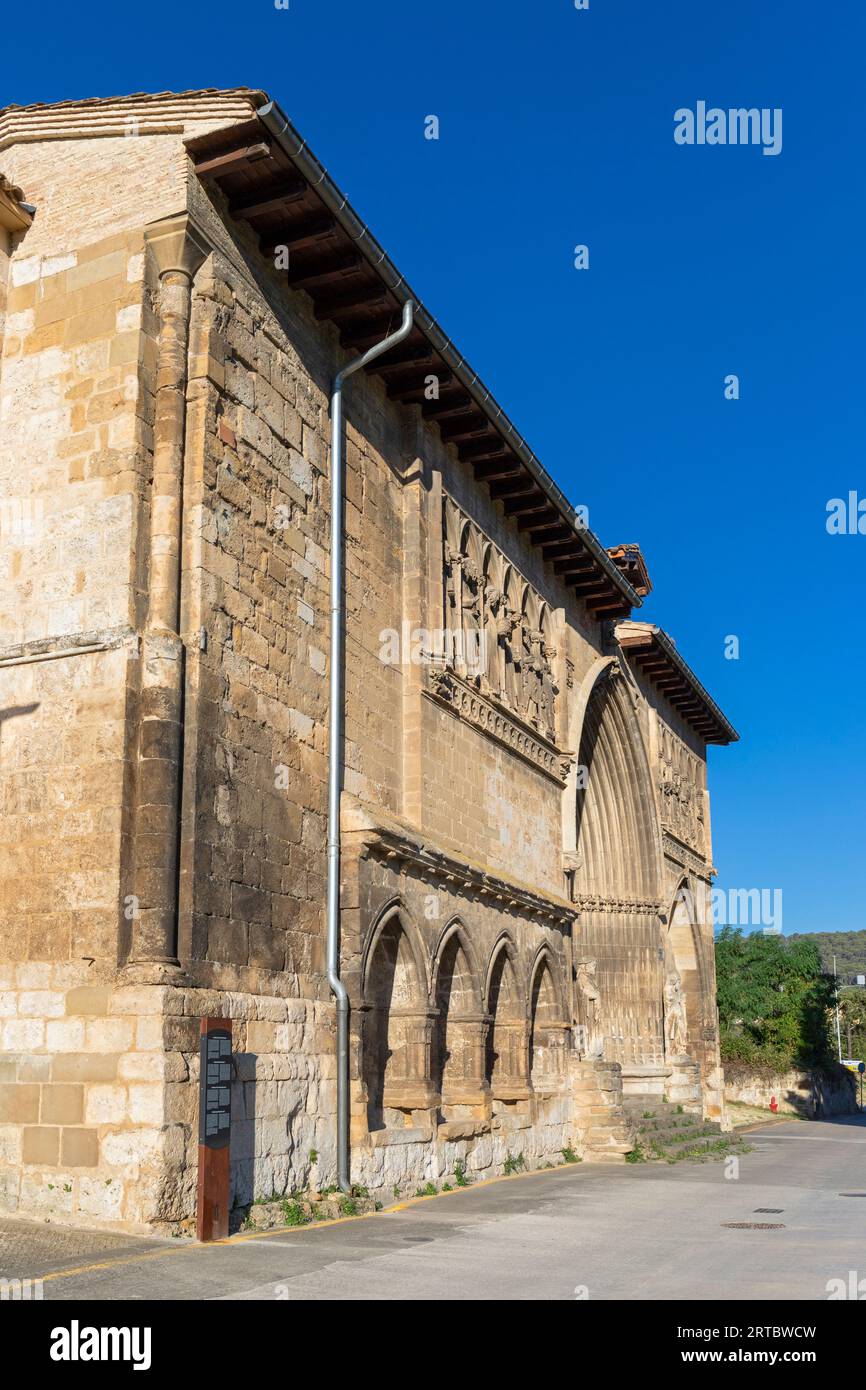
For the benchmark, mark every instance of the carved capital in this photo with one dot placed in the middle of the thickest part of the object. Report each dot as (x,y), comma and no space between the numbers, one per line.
(177,245)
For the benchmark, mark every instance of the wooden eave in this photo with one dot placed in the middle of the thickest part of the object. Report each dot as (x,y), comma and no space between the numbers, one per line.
(652,652)
(267,187)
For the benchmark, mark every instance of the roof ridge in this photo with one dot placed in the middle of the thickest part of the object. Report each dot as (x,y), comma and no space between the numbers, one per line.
(79,102)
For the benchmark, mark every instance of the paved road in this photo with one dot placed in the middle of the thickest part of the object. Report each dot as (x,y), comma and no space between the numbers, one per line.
(632,1232)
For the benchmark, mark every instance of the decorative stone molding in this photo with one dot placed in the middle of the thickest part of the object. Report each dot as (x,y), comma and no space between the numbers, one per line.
(680,854)
(463,699)
(592,903)
(398,846)
(681,787)
(177,244)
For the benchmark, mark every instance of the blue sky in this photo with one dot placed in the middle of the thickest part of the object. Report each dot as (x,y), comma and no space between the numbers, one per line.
(556,128)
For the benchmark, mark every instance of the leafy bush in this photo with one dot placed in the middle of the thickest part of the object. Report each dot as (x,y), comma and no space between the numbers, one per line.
(774,1001)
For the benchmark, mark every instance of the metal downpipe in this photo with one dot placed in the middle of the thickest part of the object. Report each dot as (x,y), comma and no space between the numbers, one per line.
(335,742)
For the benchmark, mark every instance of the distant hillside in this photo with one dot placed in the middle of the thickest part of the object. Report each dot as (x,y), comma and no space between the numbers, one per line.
(849,948)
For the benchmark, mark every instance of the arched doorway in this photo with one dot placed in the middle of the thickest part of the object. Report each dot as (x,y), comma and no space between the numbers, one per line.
(617,879)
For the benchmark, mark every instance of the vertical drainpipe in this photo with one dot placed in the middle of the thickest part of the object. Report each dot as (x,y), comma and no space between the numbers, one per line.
(178,250)
(335,744)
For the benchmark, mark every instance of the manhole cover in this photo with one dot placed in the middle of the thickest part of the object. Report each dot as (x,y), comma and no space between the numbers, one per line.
(770,1211)
(753,1225)
(418,1240)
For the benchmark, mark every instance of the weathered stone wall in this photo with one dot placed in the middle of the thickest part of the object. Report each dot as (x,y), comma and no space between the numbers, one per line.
(810,1094)
(463,922)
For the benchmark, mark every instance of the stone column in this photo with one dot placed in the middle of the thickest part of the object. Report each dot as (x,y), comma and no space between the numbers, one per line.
(178,249)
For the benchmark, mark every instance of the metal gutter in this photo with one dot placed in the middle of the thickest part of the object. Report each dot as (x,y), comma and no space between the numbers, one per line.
(290,141)
(670,650)
(335,738)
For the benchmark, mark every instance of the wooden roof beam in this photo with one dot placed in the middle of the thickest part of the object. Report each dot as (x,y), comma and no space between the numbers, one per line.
(303,234)
(454,404)
(572,566)
(412,391)
(616,607)
(341,263)
(270,198)
(399,359)
(482,450)
(369,330)
(511,486)
(475,425)
(225,163)
(490,470)
(551,521)
(534,502)
(332,305)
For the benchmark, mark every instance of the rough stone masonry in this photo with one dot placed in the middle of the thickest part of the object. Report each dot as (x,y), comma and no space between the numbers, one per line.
(518,830)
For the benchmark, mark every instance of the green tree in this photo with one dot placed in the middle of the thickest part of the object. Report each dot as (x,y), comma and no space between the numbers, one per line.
(852,1017)
(774,999)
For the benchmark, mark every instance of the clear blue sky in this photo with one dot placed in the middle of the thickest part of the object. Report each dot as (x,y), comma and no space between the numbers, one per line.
(557,129)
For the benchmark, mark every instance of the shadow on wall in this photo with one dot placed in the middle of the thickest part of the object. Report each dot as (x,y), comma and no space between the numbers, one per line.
(14,712)
(262,1147)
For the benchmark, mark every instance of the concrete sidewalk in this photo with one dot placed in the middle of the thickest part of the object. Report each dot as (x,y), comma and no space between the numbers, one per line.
(635,1232)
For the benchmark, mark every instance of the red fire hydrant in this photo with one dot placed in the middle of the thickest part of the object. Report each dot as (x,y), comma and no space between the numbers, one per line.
(774,1104)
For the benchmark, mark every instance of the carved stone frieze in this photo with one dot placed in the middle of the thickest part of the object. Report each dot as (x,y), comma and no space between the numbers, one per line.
(465,700)
(486,595)
(373,833)
(681,788)
(594,903)
(680,854)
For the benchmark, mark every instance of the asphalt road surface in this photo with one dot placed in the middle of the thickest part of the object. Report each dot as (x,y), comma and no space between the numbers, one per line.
(687,1232)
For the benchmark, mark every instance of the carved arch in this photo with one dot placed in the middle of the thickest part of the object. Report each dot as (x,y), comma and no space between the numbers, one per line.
(547,1023)
(457,1070)
(506,1063)
(616,825)
(395,908)
(395,1054)
(618,874)
(456,928)
(684,955)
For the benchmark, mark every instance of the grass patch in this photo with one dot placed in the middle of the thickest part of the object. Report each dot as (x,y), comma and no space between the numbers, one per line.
(293,1212)
(461,1177)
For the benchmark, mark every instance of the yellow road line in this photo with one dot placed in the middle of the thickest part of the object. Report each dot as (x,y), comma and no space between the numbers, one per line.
(187,1248)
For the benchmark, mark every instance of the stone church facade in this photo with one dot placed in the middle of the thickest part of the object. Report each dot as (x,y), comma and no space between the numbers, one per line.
(524,773)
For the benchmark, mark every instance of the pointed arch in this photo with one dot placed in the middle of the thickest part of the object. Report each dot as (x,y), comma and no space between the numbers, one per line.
(393,920)
(454,934)
(545,959)
(456,1062)
(547,1022)
(506,1059)
(395,1053)
(618,851)
(617,833)
(684,958)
